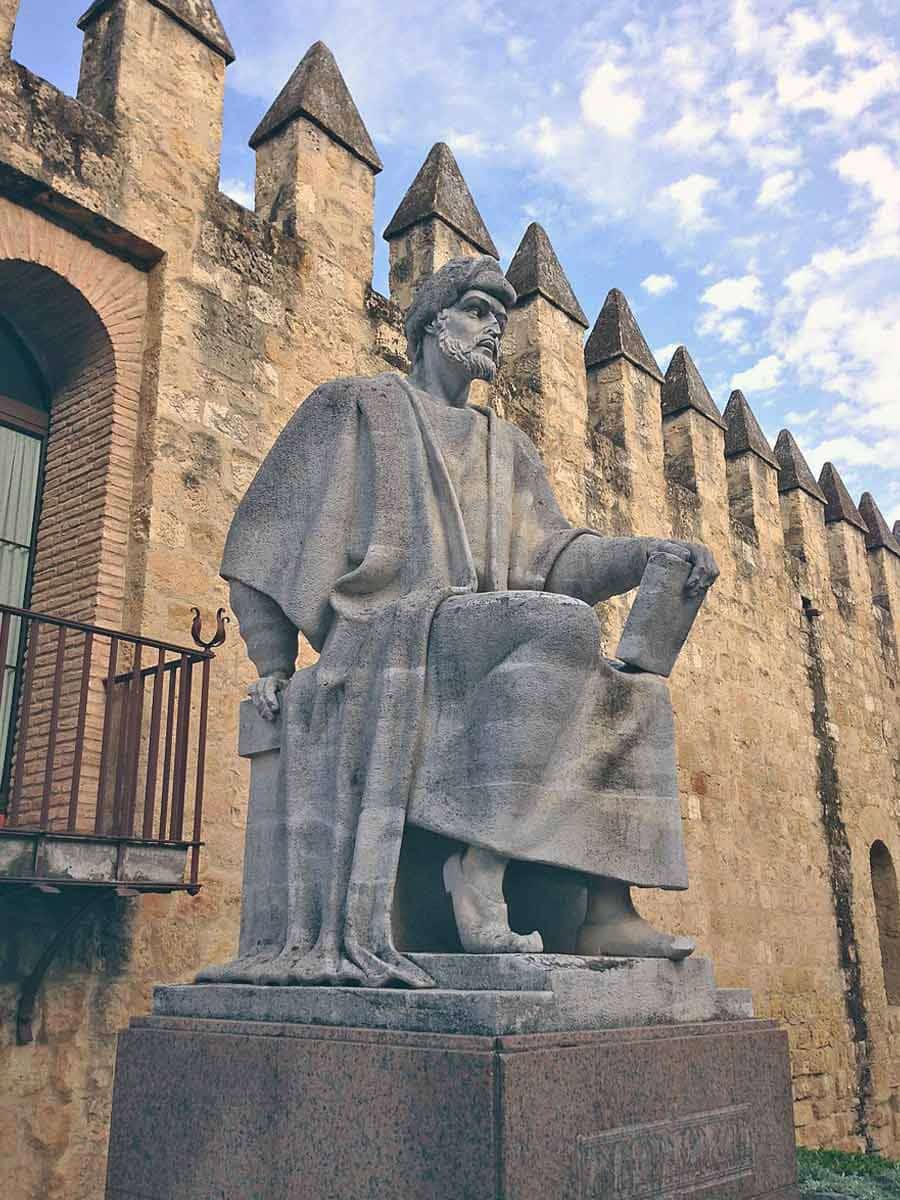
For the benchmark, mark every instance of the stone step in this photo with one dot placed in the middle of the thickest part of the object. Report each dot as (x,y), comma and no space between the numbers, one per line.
(488,995)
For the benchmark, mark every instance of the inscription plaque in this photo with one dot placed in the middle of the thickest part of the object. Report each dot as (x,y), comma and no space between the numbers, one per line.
(666,1159)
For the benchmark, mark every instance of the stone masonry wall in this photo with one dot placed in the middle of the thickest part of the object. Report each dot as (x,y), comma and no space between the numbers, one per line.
(222,321)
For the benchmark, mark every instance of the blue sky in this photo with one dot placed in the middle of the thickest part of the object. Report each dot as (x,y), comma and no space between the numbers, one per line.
(732,165)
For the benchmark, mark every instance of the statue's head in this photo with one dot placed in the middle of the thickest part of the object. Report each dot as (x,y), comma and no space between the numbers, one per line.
(463,306)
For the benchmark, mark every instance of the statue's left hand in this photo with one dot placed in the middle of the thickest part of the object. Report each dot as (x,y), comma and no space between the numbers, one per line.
(266,695)
(704,573)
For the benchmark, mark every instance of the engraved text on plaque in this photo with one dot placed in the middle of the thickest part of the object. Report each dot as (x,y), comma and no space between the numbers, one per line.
(665,1159)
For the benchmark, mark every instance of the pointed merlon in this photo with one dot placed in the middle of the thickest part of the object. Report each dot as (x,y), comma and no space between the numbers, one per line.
(439,190)
(878,532)
(838,505)
(684,388)
(616,334)
(743,431)
(793,469)
(199,16)
(535,270)
(317,91)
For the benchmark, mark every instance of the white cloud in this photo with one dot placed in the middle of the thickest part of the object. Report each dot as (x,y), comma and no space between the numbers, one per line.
(663,354)
(773,156)
(693,131)
(731,295)
(872,168)
(817,63)
(729,329)
(471,143)
(551,140)
(608,103)
(684,67)
(517,47)
(745,27)
(847,449)
(777,188)
(761,377)
(795,418)
(659,285)
(842,101)
(689,196)
(752,112)
(240,191)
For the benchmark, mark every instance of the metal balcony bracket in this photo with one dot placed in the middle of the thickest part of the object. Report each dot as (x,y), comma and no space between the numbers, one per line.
(32,983)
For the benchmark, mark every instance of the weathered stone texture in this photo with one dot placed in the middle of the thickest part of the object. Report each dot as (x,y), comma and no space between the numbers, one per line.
(437,220)
(684,389)
(307,181)
(317,90)
(544,390)
(535,269)
(199,16)
(8,11)
(743,431)
(785,697)
(616,334)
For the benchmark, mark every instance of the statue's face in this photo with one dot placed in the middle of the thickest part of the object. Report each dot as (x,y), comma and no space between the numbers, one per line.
(469,332)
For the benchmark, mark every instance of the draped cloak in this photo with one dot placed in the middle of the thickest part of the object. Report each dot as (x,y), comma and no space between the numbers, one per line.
(353,527)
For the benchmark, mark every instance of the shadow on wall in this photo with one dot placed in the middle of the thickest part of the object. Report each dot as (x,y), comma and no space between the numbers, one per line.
(887,912)
(77,993)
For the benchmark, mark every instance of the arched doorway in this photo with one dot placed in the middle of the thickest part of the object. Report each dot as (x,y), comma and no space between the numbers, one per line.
(24,422)
(887,914)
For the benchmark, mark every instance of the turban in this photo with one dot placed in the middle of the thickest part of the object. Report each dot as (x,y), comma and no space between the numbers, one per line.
(445,287)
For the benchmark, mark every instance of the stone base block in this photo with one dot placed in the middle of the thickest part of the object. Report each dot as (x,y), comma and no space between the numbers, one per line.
(487,994)
(247,1111)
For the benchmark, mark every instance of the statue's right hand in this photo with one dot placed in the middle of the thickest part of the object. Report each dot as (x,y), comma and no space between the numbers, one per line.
(266,695)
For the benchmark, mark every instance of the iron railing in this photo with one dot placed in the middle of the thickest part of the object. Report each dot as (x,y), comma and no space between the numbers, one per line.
(102,734)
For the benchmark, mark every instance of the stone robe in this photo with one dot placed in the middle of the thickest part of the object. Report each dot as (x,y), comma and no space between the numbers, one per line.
(451,690)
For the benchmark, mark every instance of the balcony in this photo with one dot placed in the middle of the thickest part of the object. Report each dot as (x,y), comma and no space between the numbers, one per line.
(102,749)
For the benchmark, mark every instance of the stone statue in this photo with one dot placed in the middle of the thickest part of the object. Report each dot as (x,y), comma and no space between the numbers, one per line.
(414,540)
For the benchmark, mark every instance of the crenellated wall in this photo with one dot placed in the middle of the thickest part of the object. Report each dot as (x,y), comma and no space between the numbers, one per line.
(785,697)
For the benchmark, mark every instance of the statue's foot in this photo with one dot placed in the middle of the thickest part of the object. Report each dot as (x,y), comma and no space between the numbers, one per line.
(239,970)
(387,968)
(481,921)
(628,935)
(321,965)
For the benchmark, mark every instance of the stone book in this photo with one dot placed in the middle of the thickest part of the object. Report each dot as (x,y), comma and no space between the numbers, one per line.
(661,616)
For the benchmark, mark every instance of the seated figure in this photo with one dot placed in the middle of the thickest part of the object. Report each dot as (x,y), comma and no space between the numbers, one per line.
(414,540)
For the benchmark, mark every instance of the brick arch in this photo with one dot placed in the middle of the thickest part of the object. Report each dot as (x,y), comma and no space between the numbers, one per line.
(81,312)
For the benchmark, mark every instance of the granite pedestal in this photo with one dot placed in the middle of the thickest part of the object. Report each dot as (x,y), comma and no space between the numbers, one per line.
(263,1110)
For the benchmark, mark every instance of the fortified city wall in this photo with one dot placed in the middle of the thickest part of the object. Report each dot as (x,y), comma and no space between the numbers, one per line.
(178,332)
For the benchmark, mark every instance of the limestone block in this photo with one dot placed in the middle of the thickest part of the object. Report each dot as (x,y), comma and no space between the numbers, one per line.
(8,12)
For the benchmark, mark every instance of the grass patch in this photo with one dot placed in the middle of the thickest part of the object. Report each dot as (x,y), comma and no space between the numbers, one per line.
(854,1176)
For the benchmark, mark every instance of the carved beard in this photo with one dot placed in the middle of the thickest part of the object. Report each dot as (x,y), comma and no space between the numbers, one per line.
(478,360)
